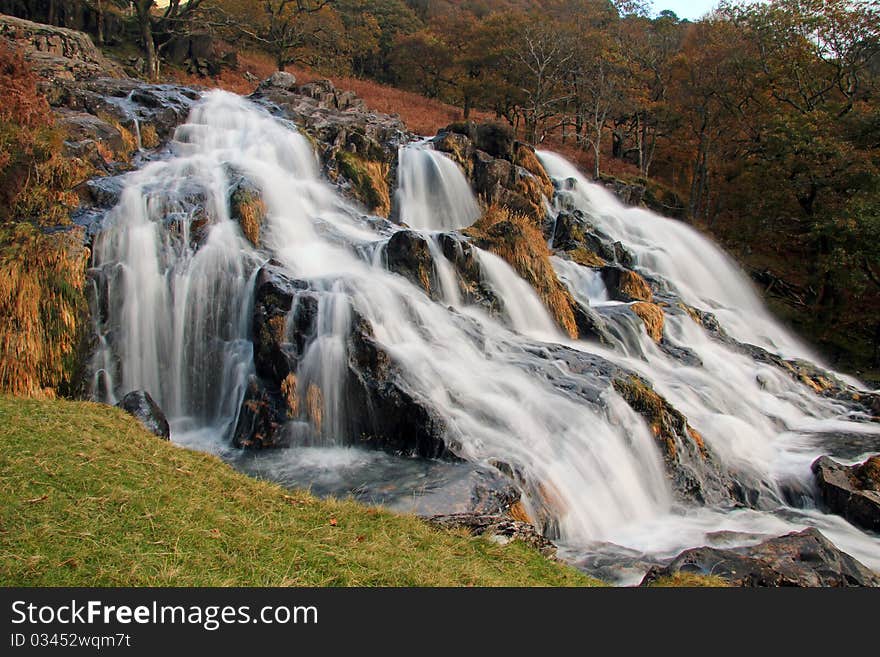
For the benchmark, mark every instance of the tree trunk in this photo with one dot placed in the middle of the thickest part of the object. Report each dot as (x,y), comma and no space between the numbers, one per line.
(152,58)
(100,18)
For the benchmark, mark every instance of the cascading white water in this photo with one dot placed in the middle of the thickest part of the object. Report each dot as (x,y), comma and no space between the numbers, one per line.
(179,308)
(590,468)
(757,419)
(432,193)
(699,271)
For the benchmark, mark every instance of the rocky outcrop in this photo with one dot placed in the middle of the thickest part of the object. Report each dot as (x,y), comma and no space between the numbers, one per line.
(690,464)
(802,559)
(626,285)
(140,404)
(501,171)
(379,410)
(851,491)
(56,53)
(497,528)
(409,255)
(357,147)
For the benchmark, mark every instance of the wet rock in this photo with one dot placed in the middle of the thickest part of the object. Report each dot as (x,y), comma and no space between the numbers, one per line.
(802,559)
(690,465)
(81,126)
(280,332)
(474,290)
(500,171)
(104,192)
(408,254)
(626,285)
(475,489)
(497,528)
(387,414)
(262,417)
(375,407)
(851,491)
(140,404)
(629,193)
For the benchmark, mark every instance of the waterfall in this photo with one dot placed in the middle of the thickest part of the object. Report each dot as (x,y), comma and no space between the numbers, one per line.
(176,276)
(432,193)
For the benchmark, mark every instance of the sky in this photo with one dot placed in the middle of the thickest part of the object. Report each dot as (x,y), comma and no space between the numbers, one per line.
(691,9)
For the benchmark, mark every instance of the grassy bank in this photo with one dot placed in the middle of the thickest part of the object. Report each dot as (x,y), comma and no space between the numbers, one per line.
(87,497)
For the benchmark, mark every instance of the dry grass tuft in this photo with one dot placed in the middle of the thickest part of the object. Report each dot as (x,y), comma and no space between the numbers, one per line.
(514,238)
(44,308)
(252,213)
(369,179)
(652,316)
(291,396)
(149,136)
(690,580)
(587,258)
(315,406)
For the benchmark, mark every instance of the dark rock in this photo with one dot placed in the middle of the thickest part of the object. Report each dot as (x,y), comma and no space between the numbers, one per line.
(497,528)
(409,255)
(388,414)
(280,333)
(104,192)
(852,492)
(626,285)
(262,417)
(379,409)
(495,138)
(474,291)
(628,193)
(802,559)
(139,404)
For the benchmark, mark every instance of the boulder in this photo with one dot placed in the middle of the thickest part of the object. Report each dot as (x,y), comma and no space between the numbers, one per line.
(626,285)
(262,418)
(379,409)
(279,80)
(802,559)
(247,207)
(852,492)
(283,322)
(409,255)
(140,404)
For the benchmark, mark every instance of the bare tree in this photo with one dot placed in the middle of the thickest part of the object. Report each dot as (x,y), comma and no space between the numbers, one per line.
(541,57)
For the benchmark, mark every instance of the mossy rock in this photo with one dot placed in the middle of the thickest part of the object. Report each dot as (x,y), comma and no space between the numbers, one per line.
(369,181)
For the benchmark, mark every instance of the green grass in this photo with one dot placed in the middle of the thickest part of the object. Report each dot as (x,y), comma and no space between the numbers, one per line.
(89,498)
